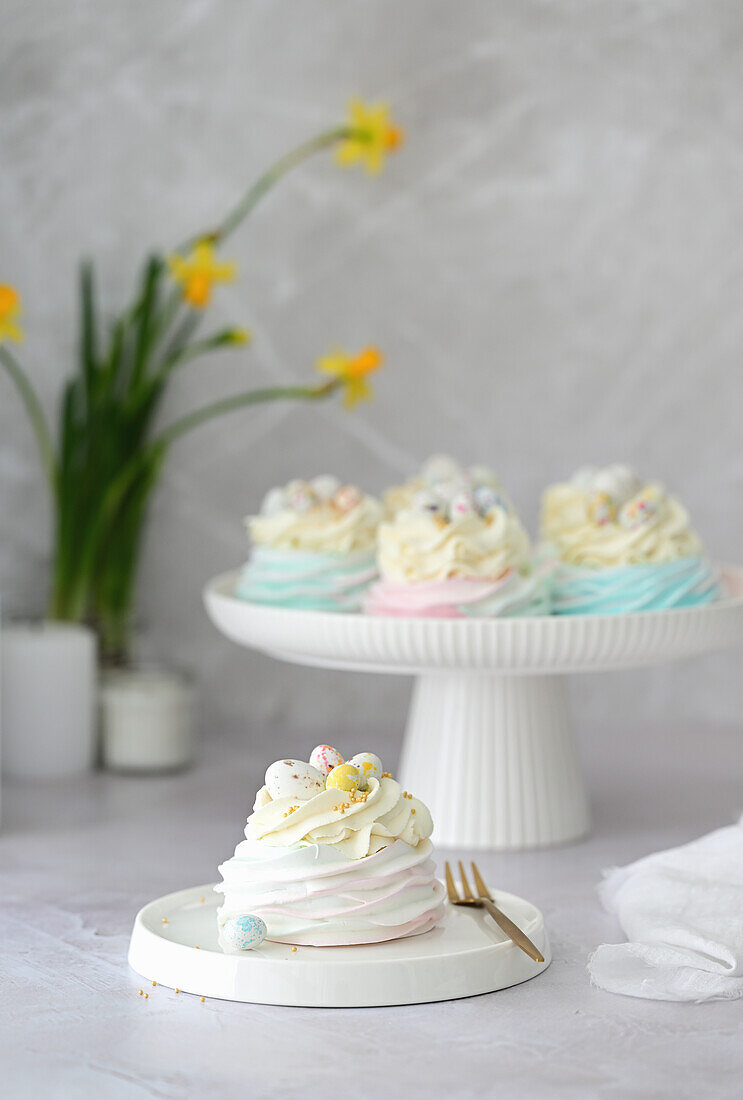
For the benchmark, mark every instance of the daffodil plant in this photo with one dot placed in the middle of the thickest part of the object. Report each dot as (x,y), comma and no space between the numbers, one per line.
(110,446)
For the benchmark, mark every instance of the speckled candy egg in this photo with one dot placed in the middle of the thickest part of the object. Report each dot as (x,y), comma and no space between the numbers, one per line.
(300,496)
(244,932)
(325,758)
(274,501)
(429,503)
(440,468)
(325,485)
(619,482)
(462,505)
(638,511)
(487,498)
(368,764)
(293,779)
(601,509)
(344,778)
(447,490)
(347,497)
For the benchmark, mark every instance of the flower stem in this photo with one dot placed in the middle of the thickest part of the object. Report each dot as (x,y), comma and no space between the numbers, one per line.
(240,401)
(265,182)
(35,414)
(224,338)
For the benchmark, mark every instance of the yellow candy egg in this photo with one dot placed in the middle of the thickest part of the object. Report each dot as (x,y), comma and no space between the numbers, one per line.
(344,778)
(601,509)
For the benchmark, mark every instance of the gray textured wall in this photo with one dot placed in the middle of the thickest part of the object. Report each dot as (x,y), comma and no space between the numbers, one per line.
(553,267)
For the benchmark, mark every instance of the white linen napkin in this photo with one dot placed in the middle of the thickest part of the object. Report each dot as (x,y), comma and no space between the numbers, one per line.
(682,911)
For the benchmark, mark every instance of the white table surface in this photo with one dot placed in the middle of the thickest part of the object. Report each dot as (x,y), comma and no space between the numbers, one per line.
(78,859)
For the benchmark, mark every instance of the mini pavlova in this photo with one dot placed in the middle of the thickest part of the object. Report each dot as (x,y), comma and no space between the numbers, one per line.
(457,549)
(312,547)
(620,543)
(335,853)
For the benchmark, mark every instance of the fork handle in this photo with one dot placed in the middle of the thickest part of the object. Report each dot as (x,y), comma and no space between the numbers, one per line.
(513,931)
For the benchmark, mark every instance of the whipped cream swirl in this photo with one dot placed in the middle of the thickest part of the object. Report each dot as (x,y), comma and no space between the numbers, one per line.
(323,527)
(356,826)
(420,547)
(610,518)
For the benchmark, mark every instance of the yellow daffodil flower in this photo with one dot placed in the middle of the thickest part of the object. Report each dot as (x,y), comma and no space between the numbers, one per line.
(352,370)
(199,272)
(10,311)
(377,136)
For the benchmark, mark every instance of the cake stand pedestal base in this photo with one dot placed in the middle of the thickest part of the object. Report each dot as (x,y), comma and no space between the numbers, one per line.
(495,760)
(489,745)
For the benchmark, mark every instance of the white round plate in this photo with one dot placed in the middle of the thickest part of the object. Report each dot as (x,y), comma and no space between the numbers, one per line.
(540,644)
(465,955)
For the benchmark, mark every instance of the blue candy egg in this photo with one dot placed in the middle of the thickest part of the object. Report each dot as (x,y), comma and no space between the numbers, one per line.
(244,932)
(487,498)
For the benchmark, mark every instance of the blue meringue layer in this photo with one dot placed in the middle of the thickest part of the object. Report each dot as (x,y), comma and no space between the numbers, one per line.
(307,581)
(687,582)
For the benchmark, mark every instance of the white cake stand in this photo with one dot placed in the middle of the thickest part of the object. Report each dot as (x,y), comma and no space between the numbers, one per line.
(489,743)
(174,943)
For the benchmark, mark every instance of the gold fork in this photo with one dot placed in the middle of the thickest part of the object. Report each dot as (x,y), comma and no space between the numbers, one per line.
(484,901)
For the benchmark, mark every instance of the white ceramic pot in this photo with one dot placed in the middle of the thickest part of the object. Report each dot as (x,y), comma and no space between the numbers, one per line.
(147,720)
(47,699)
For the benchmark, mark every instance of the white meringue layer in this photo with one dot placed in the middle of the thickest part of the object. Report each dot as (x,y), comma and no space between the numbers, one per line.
(313,895)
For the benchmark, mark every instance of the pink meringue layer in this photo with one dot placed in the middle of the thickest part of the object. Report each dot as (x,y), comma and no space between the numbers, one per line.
(320,937)
(429,599)
(311,895)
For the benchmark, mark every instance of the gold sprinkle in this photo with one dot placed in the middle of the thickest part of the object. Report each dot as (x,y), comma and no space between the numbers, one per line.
(146,996)
(154,983)
(294,949)
(412,811)
(165,920)
(198,948)
(386,775)
(203,999)
(202,900)
(140,993)
(177,989)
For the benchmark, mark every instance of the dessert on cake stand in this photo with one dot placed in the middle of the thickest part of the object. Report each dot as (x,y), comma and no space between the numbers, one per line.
(489,743)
